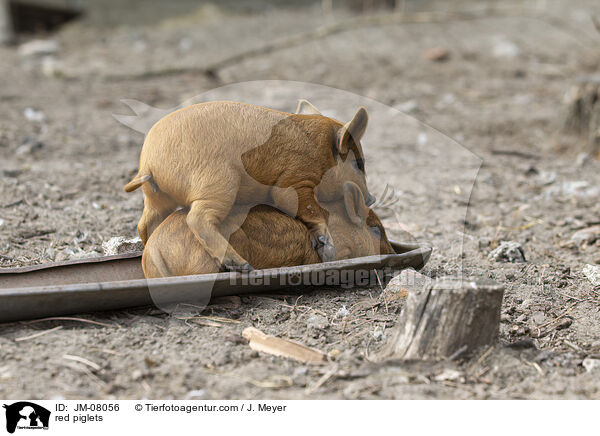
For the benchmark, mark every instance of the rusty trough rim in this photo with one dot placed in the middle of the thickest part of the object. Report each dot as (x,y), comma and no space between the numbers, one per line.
(31,302)
(82,261)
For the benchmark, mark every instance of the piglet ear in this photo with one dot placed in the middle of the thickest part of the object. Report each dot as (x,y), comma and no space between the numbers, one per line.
(352,130)
(354,201)
(306,108)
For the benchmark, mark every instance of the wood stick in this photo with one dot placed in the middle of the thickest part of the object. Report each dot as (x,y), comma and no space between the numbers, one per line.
(260,341)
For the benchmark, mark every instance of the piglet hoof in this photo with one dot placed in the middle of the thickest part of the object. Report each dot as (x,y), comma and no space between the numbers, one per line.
(236,267)
(324,247)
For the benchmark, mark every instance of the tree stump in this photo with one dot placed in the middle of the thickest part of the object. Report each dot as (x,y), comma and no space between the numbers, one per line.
(582,113)
(448,316)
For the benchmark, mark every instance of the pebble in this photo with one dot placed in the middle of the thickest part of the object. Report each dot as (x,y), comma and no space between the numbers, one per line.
(34,115)
(503,48)
(508,251)
(436,54)
(590,364)
(586,236)
(317,321)
(407,106)
(29,146)
(378,334)
(342,312)
(538,317)
(564,323)
(577,188)
(198,394)
(119,244)
(592,272)
(448,375)
(38,47)
(407,281)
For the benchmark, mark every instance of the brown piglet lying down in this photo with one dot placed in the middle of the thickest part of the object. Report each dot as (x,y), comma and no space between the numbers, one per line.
(267,238)
(210,156)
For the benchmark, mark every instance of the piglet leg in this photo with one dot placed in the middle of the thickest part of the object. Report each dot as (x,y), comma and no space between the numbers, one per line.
(157,206)
(203,220)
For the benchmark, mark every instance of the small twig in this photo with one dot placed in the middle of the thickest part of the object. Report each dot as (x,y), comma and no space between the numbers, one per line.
(37,335)
(458,353)
(207,323)
(210,318)
(66,318)
(517,153)
(579,300)
(566,312)
(322,380)
(481,359)
(106,350)
(83,360)
(572,345)
(86,370)
(535,366)
(382,290)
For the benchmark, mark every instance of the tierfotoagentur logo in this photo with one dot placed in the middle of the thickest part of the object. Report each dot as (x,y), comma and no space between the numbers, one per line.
(24,415)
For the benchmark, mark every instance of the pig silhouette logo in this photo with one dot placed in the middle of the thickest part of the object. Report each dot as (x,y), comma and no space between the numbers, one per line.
(26,415)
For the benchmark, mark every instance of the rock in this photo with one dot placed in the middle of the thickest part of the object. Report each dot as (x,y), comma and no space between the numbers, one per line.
(591,364)
(29,145)
(38,47)
(198,394)
(407,106)
(592,272)
(508,251)
(545,178)
(317,321)
(543,356)
(564,323)
(577,188)
(407,281)
(342,312)
(436,54)
(448,375)
(586,236)
(50,66)
(1,222)
(503,48)
(538,317)
(378,334)
(119,244)
(34,115)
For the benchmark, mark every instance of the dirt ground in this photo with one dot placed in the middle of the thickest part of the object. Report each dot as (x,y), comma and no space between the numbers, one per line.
(506,174)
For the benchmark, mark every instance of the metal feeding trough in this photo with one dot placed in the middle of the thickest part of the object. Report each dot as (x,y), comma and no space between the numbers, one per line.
(117,282)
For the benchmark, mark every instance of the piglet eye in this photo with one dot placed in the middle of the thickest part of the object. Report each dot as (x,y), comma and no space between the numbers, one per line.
(375,230)
(359,164)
